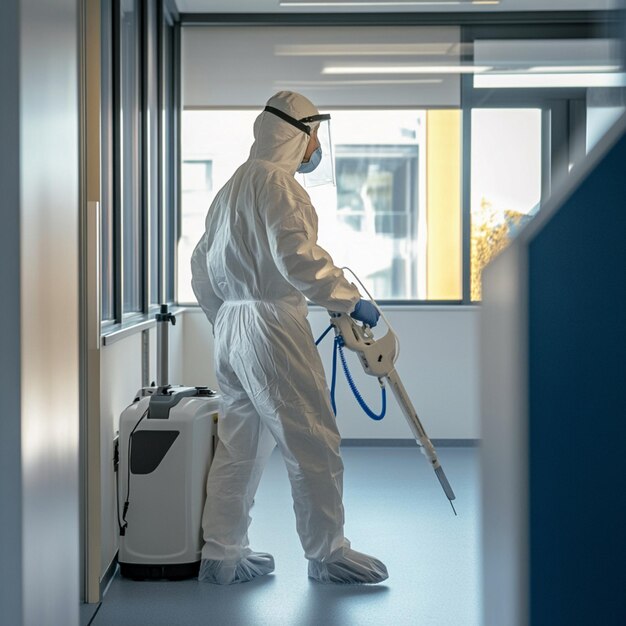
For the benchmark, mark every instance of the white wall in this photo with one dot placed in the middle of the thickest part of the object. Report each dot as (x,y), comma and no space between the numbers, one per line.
(438,364)
(120,379)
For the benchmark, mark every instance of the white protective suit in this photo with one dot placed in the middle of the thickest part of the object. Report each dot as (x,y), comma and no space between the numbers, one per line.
(252,269)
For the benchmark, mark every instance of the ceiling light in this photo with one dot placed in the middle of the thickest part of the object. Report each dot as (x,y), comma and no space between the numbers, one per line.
(407,69)
(554,80)
(365,49)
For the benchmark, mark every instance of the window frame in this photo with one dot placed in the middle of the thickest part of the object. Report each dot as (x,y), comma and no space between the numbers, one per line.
(560,107)
(150,42)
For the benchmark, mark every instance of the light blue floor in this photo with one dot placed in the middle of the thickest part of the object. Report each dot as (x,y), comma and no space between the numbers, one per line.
(395,510)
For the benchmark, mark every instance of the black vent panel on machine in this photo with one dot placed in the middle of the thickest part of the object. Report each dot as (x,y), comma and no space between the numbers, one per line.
(149,448)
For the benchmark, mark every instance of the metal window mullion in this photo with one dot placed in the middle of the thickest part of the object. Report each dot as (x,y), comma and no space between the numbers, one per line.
(576,130)
(144,161)
(559,138)
(177,165)
(168,151)
(118,226)
(467,91)
(162,250)
(411,219)
(466,219)
(546,150)
(107,142)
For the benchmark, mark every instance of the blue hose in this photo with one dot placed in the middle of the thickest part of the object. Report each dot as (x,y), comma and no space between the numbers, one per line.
(324,334)
(355,391)
(333,378)
(338,347)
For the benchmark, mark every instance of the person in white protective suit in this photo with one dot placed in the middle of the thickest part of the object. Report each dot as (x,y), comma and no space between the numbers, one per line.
(252,269)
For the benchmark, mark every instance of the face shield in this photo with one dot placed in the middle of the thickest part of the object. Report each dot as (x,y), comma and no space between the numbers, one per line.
(324,172)
(320,169)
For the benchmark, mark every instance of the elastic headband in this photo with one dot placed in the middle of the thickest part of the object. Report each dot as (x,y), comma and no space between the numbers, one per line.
(299,124)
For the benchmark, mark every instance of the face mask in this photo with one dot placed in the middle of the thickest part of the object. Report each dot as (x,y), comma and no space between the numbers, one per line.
(314,160)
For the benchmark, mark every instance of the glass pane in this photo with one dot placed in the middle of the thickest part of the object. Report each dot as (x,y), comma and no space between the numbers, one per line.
(106,209)
(548,63)
(366,67)
(214,145)
(130,157)
(168,176)
(152,151)
(391,218)
(506,181)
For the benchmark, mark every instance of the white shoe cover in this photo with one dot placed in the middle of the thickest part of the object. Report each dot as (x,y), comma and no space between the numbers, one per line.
(351,567)
(233,572)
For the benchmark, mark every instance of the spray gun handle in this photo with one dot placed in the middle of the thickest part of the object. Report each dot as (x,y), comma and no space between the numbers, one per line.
(377,356)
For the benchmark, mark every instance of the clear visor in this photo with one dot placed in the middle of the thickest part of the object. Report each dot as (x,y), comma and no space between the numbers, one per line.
(324,173)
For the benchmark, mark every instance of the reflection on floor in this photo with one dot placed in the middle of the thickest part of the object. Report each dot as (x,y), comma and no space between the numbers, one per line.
(395,510)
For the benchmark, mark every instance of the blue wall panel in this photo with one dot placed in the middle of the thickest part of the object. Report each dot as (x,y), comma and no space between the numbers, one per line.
(577,404)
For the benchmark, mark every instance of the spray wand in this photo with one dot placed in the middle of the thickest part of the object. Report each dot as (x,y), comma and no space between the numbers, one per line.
(378,358)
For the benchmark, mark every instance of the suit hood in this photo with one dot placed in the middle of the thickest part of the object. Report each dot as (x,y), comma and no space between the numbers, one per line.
(276,140)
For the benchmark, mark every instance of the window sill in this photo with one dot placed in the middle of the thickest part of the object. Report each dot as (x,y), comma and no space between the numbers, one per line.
(112,333)
(431,307)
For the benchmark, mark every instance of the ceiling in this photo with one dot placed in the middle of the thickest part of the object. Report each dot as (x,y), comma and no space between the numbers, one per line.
(391,6)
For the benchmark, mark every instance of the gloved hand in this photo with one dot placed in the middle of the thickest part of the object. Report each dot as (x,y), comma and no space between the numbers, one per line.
(365,312)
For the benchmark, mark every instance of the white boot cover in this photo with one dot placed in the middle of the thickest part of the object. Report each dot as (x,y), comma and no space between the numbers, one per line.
(233,572)
(351,567)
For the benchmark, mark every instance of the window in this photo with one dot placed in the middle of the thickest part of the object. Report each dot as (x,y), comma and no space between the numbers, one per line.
(422,201)
(377,198)
(557,95)
(396,223)
(395,215)
(138,174)
(214,144)
(385,219)
(129,164)
(506,181)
